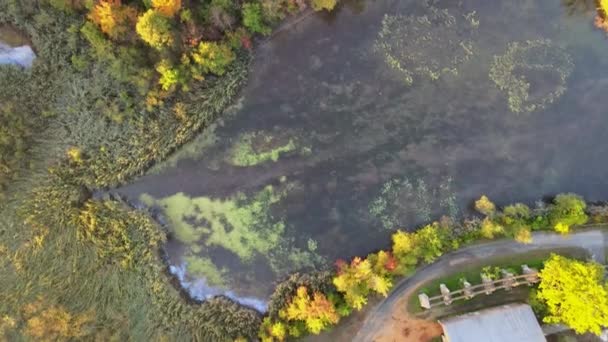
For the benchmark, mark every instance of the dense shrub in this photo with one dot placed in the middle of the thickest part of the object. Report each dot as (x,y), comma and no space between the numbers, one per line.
(253,18)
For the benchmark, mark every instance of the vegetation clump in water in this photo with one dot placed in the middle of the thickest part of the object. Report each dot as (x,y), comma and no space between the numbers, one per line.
(256,148)
(430,46)
(512,73)
(400,200)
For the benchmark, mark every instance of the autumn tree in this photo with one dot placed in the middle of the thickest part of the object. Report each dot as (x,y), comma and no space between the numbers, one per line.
(316,311)
(319,5)
(403,250)
(431,242)
(357,279)
(567,210)
(490,229)
(575,294)
(212,57)
(485,206)
(167,8)
(112,17)
(515,219)
(154,29)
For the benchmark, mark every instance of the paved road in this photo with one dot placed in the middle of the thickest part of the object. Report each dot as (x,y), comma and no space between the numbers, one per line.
(592,239)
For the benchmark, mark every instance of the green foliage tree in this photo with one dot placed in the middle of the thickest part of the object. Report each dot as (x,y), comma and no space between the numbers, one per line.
(567,210)
(253,18)
(155,29)
(575,293)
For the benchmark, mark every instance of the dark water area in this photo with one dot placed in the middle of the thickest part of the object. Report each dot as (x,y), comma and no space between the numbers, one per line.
(352,150)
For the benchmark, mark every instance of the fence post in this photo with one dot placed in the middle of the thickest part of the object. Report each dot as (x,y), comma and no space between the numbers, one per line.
(445,292)
(425,303)
(467,289)
(507,280)
(488,284)
(530,273)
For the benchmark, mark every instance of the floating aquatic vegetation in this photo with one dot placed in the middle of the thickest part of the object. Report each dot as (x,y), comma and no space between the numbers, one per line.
(201,267)
(258,147)
(243,225)
(430,46)
(402,203)
(532,61)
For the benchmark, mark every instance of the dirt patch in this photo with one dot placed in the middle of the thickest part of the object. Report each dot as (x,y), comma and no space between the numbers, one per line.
(404,327)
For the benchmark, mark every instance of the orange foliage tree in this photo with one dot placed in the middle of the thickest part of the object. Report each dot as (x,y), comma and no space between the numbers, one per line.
(167,8)
(317,312)
(112,17)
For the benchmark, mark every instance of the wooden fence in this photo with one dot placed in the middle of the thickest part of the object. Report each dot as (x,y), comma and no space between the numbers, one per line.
(488,286)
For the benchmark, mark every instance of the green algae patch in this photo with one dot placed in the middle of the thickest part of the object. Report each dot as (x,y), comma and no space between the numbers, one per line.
(239,224)
(204,267)
(427,46)
(257,147)
(244,225)
(533,74)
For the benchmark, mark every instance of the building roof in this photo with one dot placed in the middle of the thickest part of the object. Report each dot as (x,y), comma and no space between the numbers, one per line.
(507,323)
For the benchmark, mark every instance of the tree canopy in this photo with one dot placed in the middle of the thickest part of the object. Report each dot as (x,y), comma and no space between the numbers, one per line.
(575,294)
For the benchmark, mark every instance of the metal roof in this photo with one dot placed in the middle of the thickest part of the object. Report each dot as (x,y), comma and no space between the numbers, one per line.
(507,323)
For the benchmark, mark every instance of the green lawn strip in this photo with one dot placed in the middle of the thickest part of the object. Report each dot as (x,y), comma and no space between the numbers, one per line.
(472,272)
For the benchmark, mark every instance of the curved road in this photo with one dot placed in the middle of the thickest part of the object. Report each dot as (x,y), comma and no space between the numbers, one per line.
(592,239)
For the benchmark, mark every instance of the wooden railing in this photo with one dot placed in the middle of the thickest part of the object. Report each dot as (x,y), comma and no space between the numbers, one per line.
(488,286)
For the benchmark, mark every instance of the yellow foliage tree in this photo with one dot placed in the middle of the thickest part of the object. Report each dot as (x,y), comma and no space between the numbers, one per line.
(154,29)
(357,279)
(167,8)
(319,5)
(403,250)
(575,294)
(523,235)
(602,15)
(212,57)
(485,206)
(112,17)
(489,228)
(317,312)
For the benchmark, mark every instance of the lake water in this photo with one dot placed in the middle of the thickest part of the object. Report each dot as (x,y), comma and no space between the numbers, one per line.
(384,115)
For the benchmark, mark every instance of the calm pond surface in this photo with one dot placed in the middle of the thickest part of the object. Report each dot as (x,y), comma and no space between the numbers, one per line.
(384,115)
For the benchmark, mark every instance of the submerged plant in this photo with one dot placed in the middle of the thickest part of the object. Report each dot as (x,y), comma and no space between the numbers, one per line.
(430,46)
(402,202)
(513,73)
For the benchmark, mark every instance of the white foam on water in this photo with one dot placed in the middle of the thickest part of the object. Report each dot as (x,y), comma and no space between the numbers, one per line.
(21,55)
(200,290)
